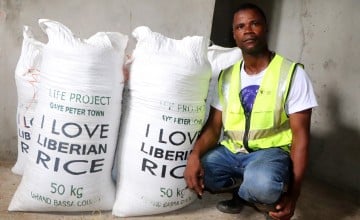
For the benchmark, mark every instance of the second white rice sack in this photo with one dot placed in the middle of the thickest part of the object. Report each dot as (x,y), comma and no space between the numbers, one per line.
(76,123)
(163,114)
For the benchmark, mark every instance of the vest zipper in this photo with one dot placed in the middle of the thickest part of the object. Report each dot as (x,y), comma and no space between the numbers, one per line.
(247,122)
(246,133)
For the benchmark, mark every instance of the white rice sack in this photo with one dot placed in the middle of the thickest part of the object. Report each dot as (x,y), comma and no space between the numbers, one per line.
(166,67)
(222,57)
(75,124)
(163,114)
(27,80)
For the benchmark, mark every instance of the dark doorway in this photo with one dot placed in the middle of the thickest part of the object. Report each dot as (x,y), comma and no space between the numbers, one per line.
(221,31)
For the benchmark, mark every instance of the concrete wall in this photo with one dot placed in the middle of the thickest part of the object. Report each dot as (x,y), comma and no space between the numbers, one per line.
(324,35)
(172,18)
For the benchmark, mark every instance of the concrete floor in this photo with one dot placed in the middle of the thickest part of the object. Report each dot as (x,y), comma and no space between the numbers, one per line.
(317,202)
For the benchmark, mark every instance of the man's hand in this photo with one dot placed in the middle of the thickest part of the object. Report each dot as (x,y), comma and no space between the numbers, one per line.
(194,174)
(285,208)
(300,128)
(207,139)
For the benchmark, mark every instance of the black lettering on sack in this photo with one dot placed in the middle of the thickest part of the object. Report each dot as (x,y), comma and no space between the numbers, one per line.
(28,123)
(149,165)
(43,158)
(67,169)
(95,164)
(24,134)
(73,130)
(57,163)
(162,171)
(175,138)
(24,147)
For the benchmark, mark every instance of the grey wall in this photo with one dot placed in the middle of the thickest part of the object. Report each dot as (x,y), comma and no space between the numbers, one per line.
(324,35)
(172,18)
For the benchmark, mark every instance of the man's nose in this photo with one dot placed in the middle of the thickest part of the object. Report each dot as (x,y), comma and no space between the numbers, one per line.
(248,28)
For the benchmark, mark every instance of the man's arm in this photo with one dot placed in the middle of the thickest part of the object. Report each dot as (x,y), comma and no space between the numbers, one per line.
(207,139)
(300,127)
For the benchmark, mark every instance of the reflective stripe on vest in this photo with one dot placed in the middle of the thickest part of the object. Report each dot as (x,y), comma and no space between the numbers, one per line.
(269,124)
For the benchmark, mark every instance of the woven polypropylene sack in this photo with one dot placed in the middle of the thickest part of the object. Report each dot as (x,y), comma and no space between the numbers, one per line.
(163,114)
(76,123)
(27,82)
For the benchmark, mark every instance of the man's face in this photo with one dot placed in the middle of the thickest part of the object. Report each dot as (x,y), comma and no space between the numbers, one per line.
(250,31)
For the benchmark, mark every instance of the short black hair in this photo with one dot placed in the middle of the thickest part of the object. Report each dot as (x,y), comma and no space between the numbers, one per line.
(246,6)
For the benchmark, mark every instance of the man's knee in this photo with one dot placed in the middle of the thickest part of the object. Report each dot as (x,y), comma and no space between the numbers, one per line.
(212,157)
(216,171)
(261,188)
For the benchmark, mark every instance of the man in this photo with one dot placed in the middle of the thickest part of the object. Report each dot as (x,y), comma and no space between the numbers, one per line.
(264,106)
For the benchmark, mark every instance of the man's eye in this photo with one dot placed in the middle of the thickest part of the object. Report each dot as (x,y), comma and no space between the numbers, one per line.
(238,27)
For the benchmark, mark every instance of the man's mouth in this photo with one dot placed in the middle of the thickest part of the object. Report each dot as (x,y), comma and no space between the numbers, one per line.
(249,40)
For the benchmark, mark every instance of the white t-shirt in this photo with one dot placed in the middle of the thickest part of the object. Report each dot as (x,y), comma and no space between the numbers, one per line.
(301,95)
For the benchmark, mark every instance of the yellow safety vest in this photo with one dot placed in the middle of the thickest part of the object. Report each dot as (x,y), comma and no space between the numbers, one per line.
(267,125)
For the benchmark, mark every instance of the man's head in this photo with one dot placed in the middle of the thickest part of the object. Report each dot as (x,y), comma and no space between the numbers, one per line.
(250,29)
